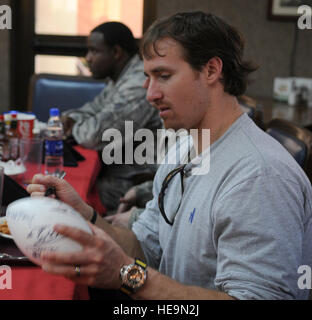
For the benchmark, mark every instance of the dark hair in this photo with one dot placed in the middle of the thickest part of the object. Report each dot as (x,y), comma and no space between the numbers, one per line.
(203,36)
(116,33)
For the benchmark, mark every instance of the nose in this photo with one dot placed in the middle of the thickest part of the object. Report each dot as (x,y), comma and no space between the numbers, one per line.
(153,91)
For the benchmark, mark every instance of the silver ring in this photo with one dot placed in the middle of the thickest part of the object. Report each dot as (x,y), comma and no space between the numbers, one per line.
(77,270)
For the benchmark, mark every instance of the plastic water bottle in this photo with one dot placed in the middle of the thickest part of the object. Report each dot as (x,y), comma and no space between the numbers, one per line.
(53,163)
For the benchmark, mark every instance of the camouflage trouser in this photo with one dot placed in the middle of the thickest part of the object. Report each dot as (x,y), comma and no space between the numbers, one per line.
(111,189)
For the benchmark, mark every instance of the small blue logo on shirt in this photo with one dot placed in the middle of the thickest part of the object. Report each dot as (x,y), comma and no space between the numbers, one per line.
(192,216)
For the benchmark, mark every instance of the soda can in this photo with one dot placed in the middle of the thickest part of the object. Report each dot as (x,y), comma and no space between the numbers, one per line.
(25,125)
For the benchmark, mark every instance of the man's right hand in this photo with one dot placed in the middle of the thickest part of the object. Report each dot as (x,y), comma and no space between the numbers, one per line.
(64,191)
(68,124)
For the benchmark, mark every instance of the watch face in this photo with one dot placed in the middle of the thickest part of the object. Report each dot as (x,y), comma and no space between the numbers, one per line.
(136,277)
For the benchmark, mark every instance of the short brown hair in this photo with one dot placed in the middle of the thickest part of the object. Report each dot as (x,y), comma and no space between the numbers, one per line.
(203,36)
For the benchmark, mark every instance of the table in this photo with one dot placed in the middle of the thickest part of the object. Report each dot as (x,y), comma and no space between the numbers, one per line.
(31,283)
(300,115)
(83,177)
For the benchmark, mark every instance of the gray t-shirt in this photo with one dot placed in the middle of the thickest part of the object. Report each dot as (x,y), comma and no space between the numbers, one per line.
(244,228)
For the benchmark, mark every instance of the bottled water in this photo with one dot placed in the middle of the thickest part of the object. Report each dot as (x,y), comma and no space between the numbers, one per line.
(53,163)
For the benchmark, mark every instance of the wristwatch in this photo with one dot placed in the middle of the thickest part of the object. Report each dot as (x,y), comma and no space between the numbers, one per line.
(133,276)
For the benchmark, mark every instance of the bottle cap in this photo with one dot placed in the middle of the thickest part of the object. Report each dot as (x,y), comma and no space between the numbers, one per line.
(13,114)
(54,112)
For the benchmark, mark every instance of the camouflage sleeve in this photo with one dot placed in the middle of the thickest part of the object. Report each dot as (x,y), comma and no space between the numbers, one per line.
(135,214)
(144,193)
(90,109)
(103,113)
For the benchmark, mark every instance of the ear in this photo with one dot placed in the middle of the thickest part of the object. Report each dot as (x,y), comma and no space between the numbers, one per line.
(118,51)
(213,70)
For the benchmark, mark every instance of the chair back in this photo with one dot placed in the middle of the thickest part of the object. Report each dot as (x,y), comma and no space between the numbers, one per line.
(60,91)
(296,140)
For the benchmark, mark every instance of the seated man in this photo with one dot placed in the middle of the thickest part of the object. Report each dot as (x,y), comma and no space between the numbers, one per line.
(113,54)
(233,223)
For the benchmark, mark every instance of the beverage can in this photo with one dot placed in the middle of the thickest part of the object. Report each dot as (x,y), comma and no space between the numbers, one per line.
(25,126)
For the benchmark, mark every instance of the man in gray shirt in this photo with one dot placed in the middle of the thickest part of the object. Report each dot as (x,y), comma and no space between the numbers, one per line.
(233,223)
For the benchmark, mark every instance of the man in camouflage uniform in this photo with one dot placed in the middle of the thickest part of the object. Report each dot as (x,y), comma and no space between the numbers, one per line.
(112,54)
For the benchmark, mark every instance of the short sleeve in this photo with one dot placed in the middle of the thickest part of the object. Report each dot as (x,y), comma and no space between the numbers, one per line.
(258,235)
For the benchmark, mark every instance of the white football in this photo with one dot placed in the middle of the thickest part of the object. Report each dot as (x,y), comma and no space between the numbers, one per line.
(31,222)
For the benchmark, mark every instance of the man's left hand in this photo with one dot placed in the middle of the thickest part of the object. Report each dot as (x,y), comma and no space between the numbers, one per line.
(99,261)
